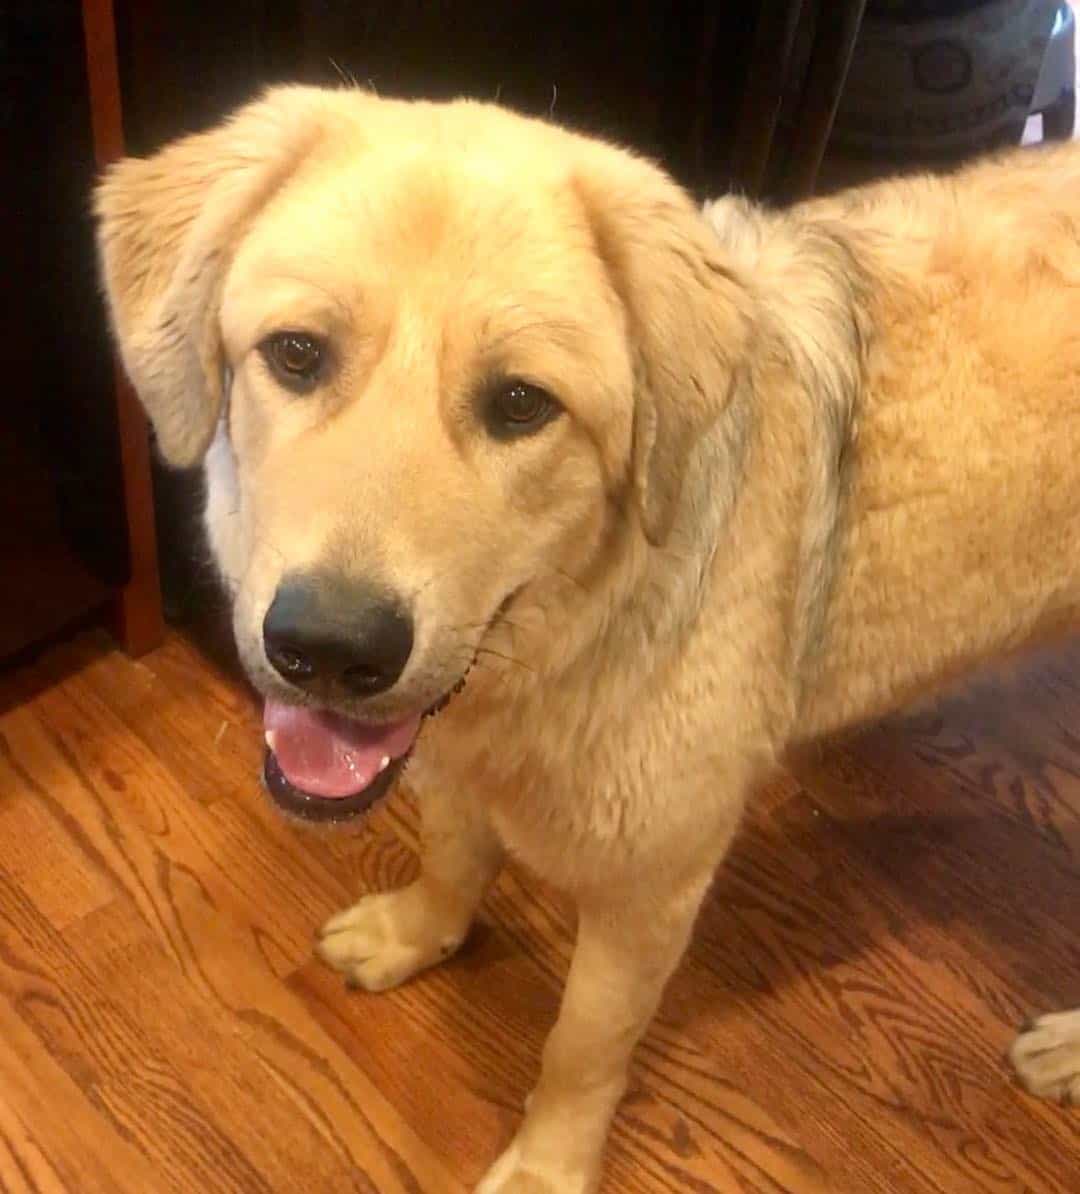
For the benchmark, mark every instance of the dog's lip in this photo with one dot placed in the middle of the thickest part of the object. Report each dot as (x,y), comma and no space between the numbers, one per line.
(329,810)
(326,810)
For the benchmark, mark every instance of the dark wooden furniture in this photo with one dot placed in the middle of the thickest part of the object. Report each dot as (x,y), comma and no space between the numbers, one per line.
(797,66)
(139,621)
(76,508)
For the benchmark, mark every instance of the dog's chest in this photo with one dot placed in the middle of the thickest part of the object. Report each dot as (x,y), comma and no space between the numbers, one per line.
(580,808)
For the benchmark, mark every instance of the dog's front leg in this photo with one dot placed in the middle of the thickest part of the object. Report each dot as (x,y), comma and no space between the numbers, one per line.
(386,938)
(628,944)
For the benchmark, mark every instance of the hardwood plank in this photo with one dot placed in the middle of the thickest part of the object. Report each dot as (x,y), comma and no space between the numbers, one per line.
(39,850)
(24,1167)
(161,851)
(905,1058)
(890,912)
(45,1113)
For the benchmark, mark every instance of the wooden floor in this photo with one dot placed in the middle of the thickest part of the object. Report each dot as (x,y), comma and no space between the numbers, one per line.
(891,913)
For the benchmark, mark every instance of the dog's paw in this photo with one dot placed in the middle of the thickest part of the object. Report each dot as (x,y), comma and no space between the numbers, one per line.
(510,1175)
(385,939)
(1046,1056)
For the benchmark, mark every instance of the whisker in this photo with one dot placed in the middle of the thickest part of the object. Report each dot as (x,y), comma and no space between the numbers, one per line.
(505,658)
(507,622)
(499,620)
(572,579)
(342,74)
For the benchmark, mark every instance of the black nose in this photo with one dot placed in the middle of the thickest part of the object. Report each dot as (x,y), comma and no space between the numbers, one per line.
(324,634)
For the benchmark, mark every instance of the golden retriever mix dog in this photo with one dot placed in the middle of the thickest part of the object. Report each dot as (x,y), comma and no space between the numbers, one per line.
(490,411)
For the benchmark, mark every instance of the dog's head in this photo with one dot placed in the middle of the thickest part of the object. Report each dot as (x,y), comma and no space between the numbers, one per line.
(449,350)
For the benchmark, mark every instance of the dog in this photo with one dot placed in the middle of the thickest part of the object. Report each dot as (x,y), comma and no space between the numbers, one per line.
(590,503)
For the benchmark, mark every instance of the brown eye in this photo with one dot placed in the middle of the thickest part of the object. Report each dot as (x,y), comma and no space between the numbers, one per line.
(518,408)
(295,358)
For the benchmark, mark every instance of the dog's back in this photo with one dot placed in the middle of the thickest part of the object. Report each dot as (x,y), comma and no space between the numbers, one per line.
(960,534)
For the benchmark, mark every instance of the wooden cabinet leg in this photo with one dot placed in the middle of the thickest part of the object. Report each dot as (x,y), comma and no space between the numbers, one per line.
(137,616)
(138,622)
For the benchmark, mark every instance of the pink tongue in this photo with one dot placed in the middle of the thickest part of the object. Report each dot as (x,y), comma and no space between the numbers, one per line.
(324,754)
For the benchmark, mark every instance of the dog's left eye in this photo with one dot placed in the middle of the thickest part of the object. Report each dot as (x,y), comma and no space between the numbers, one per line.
(296,359)
(515,408)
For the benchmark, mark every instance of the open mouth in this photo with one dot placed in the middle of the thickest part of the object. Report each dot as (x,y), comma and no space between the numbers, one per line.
(323,767)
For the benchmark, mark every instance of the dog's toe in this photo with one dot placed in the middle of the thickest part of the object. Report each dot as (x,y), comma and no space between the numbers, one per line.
(1046,1056)
(510,1175)
(384,940)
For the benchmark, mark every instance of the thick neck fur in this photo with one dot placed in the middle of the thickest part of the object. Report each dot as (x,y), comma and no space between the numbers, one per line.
(816,335)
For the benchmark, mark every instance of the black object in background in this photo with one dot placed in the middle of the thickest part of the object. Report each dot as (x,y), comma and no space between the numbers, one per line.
(63,539)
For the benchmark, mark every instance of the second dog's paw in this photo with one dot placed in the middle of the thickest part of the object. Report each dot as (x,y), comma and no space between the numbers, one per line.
(385,939)
(1046,1056)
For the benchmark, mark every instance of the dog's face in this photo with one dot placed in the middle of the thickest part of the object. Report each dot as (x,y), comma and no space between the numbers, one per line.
(430,404)
(453,348)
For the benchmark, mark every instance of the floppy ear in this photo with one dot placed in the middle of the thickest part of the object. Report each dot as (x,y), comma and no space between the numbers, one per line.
(688,317)
(166,226)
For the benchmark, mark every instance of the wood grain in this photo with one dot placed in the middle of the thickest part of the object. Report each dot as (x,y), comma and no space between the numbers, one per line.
(137,610)
(895,906)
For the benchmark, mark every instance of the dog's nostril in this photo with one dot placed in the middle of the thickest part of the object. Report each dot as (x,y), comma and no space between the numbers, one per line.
(361,680)
(353,639)
(291,663)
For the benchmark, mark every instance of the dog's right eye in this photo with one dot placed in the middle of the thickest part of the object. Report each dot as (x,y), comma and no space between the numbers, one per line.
(517,408)
(296,359)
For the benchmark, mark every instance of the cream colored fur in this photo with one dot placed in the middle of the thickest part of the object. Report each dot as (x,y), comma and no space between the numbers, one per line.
(811,465)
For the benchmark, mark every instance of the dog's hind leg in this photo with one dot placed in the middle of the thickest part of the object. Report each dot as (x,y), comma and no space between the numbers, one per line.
(1046,1056)
(386,938)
